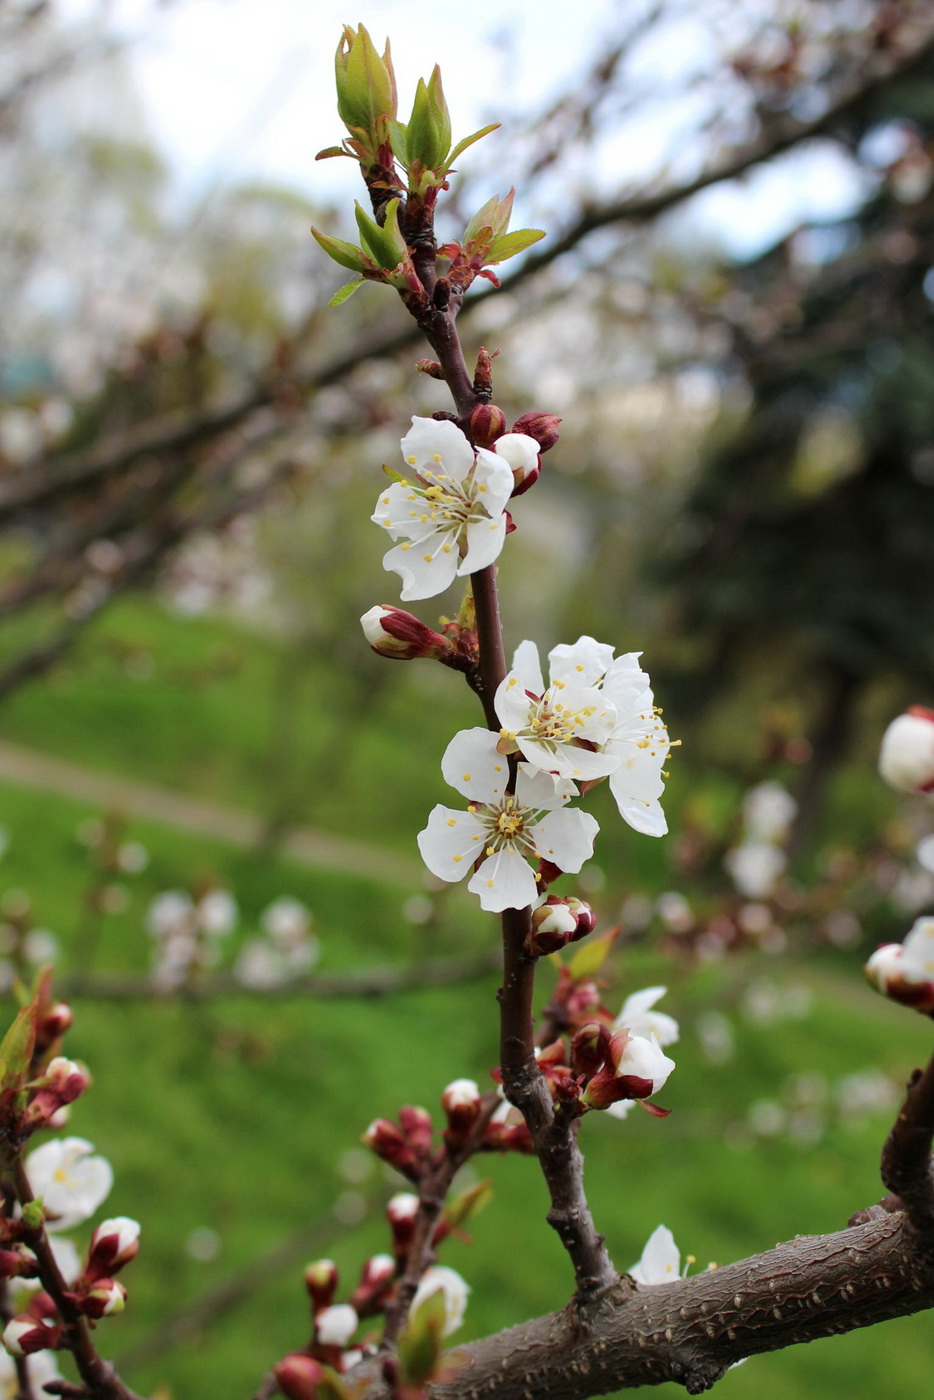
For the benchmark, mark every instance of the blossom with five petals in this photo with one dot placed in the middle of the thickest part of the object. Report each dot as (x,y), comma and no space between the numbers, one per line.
(70,1178)
(562,728)
(451,520)
(636,744)
(501,830)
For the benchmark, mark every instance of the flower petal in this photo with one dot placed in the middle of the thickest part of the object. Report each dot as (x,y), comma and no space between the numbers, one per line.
(472,765)
(504,881)
(438,447)
(566,838)
(494,481)
(425,566)
(527,667)
(450,843)
(585,660)
(661,1259)
(485,540)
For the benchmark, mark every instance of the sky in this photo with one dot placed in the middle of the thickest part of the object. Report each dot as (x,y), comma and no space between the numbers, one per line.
(236,89)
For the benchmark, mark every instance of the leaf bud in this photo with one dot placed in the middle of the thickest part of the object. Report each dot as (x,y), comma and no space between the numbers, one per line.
(543,427)
(366,83)
(383,242)
(428,134)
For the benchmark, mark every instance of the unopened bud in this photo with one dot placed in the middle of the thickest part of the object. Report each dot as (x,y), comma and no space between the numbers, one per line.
(334,1326)
(461,1103)
(487,423)
(402,1212)
(589,1048)
(64,1081)
(543,427)
(557,922)
(418,1128)
(906,760)
(385,1139)
(903,971)
(24,1335)
(321,1280)
(378,1273)
(366,85)
(50,1027)
(113,1244)
(105,1298)
(299,1376)
(521,453)
(397,634)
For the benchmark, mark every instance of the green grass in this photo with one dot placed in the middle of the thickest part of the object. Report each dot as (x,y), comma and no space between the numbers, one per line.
(236,1116)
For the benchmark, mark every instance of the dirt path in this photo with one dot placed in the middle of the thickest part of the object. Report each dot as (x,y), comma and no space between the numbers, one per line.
(28,768)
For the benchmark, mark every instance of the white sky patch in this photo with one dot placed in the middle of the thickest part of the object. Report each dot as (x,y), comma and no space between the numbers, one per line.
(245,88)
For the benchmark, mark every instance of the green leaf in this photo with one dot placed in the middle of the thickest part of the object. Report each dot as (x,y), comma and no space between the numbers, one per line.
(330,151)
(395,476)
(468,141)
(347,254)
(591,957)
(468,1204)
(346,292)
(420,1344)
(509,244)
(17,1047)
(385,243)
(399,140)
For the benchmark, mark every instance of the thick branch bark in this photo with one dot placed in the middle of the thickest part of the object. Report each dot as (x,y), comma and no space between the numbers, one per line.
(693,1330)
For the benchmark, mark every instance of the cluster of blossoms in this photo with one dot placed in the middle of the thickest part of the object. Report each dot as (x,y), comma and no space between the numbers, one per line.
(57,1187)
(758,861)
(339,1338)
(188,935)
(595,719)
(287,949)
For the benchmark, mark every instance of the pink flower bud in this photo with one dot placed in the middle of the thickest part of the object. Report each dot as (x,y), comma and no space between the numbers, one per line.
(418,1128)
(103,1299)
(63,1082)
(386,1140)
(378,1273)
(521,453)
(906,760)
(397,634)
(113,1244)
(559,921)
(24,1335)
(321,1280)
(461,1103)
(299,1376)
(543,427)
(401,1213)
(53,1024)
(487,423)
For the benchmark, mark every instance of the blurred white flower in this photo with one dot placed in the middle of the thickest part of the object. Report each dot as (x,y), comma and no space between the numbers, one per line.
(71,1180)
(455,1290)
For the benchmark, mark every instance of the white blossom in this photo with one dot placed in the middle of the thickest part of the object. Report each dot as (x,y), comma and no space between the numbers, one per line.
(41,1365)
(906,759)
(451,520)
(71,1180)
(502,831)
(660,1261)
(455,1290)
(605,701)
(638,1018)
